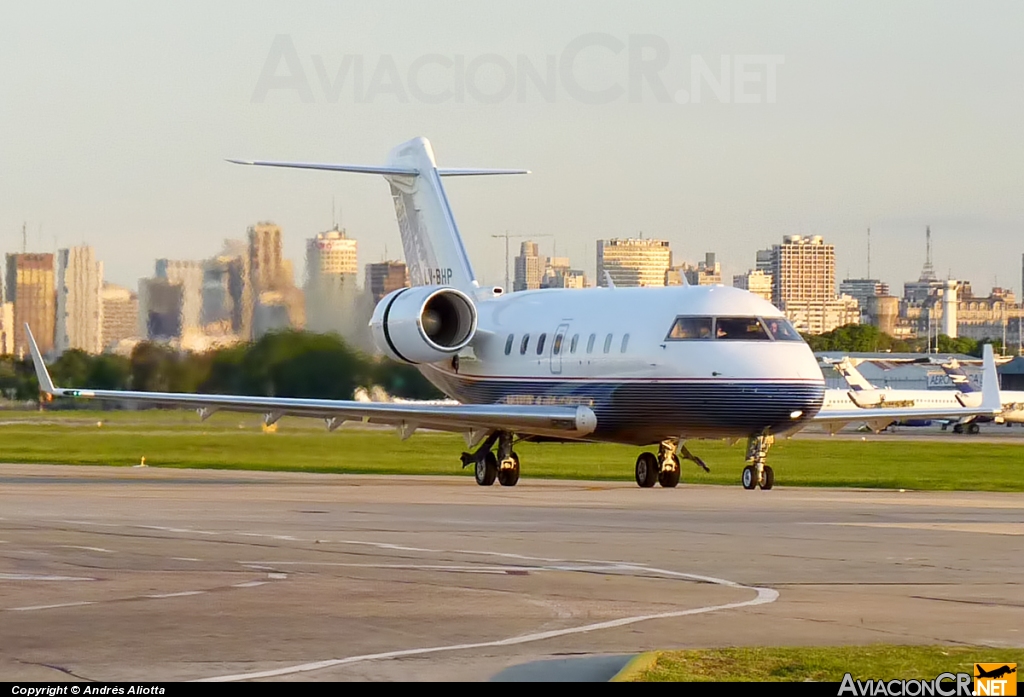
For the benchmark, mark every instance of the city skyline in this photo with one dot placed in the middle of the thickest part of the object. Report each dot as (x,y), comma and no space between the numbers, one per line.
(891,118)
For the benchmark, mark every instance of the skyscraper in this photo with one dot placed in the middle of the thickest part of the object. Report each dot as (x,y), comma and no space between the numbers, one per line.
(30,286)
(529,268)
(633,262)
(332,270)
(79,306)
(120,314)
(804,285)
(266,265)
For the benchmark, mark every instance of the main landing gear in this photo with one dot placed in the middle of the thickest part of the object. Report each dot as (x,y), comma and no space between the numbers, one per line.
(488,466)
(972,427)
(757,473)
(663,468)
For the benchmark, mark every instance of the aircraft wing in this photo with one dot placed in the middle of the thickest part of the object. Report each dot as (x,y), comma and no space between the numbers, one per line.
(473,420)
(881,416)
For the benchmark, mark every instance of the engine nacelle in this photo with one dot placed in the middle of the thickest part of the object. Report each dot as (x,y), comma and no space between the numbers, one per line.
(424,324)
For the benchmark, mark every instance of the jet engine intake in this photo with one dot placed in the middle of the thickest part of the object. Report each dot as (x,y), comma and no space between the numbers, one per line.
(425,324)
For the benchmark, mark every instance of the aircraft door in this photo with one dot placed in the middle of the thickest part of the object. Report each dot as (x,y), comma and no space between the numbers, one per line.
(559,346)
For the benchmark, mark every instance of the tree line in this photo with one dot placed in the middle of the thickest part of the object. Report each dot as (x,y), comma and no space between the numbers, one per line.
(281,364)
(865,338)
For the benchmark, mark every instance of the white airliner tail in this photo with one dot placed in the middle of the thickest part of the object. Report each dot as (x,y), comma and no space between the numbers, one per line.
(434,253)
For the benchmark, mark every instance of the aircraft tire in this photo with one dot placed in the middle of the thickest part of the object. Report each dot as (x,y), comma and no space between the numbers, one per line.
(669,479)
(973,428)
(749,478)
(509,477)
(958,428)
(646,470)
(769,478)
(486,469)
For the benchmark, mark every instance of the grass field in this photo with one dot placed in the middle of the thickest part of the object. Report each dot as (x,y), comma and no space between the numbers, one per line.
(232,441)
(822,664)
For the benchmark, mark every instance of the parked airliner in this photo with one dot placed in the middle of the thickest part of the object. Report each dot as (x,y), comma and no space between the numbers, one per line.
(642,366)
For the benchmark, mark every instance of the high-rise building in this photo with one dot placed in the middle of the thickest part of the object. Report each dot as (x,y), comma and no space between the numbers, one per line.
(266,263)
(6,329)
(160,309)
(79,305)
(755,281)
(862,290)
(633,262)
(120,314)
(30,286)
(529,270)
(227,292)
(332,269)
(804,285)
(558,273)
(188,275)
(385,277)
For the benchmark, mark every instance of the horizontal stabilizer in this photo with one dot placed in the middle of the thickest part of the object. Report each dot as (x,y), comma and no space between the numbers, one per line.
(360,169)
(371,169)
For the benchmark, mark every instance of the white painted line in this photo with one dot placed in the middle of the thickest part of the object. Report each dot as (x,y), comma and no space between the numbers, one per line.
(249,584)
(89,549)
(182,594)
(277,576)
(185,559)
(31,577)
(764,595)
(49,607)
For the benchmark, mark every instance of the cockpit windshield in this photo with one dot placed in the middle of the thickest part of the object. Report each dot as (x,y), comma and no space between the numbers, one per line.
(732,329)
(781,329)
(740,329)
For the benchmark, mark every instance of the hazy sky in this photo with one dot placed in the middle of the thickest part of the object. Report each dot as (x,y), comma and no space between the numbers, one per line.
(805,118)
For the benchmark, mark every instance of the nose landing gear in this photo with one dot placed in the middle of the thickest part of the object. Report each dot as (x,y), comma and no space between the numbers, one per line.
(757,473)
(663,468)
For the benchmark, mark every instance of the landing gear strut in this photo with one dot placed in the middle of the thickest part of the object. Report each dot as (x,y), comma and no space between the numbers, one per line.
(757,473)
(663,468)
(488,466)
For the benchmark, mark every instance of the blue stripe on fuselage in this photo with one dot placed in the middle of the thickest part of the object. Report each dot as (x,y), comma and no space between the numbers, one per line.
(647,411)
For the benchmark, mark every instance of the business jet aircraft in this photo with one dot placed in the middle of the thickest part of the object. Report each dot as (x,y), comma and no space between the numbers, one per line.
(641,366)
(1013,401)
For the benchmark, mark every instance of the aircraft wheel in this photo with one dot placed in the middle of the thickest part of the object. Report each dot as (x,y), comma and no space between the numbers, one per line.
(973,428)
(509,476)
(958,428)
(769,478)
(749,478)
(669,479)
(486,469)
(647,470)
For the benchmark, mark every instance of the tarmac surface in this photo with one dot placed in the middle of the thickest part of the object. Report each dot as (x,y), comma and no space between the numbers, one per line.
(143,574)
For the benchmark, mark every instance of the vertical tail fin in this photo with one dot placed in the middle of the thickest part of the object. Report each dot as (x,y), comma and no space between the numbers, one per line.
(434,252)
(857,382)
(958,376)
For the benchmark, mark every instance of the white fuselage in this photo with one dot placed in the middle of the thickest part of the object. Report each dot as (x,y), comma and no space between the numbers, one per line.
(611,349)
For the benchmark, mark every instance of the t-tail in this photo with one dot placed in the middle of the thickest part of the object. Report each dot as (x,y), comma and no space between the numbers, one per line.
(958,376)
(434,253)
(857,382)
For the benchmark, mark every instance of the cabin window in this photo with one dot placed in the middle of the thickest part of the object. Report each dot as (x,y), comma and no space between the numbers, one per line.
(686,328)
(508,343)
(572,344)
(781,329)
(557,347)
(608,343)
(590,343)
(525,344)
(625,343)
(540,344)
(740,329)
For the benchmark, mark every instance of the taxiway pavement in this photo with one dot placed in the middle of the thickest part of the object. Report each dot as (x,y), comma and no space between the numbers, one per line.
(126,574)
